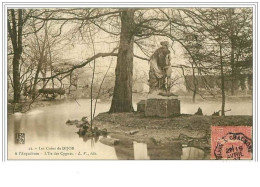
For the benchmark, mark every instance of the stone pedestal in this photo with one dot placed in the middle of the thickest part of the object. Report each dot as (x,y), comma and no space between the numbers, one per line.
(162,107)
(141,106)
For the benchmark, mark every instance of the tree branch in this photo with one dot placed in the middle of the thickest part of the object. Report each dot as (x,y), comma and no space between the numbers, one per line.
(84,63)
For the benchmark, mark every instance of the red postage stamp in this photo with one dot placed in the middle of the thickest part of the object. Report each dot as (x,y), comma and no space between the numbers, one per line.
(231,142)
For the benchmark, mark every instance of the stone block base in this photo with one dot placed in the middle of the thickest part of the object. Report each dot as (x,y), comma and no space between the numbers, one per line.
(162,107)
(141,106)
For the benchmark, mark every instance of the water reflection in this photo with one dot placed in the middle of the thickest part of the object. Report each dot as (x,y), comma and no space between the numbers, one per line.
(192,153)
(171,151)
(17,128)
(45,127)
(140,151)
(209,107)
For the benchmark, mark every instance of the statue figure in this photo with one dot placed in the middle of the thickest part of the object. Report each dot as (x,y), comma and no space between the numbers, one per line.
(160,70)
(160,101)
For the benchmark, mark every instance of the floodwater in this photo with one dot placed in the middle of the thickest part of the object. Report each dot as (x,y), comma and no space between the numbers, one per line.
(242,107)
(48,137)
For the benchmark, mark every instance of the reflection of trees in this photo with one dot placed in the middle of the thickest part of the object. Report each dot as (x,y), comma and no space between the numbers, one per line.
(170,151)
(94,139)
(125,150)
(17,127)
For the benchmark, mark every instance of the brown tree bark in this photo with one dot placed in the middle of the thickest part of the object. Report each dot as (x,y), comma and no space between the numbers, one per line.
(122,96)
(195,84)
(16,78)
(222,81)
(39,66)
(15,33)
(233,75)
(42,50)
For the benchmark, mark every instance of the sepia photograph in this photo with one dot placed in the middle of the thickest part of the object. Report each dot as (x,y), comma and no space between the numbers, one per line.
(130,83)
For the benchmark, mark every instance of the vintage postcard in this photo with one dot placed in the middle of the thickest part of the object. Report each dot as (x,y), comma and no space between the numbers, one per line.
(130,82)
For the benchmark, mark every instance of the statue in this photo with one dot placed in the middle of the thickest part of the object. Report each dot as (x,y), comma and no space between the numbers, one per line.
(160,71)
(160,101)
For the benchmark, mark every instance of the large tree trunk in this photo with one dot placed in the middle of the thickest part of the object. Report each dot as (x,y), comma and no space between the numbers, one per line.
(16,78)
(122,96)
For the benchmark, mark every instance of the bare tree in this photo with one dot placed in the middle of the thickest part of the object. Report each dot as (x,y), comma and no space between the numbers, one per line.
(15,23)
